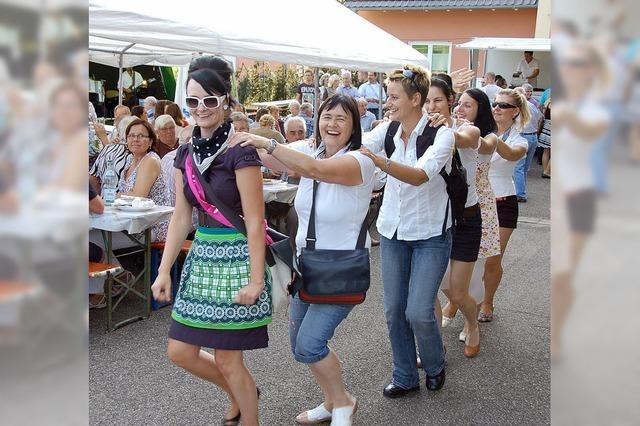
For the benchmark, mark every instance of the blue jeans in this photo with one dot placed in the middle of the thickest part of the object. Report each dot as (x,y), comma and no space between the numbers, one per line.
(411,276)
(523,166)
(311,326)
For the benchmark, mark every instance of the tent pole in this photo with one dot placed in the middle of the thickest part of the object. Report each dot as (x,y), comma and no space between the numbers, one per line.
(380,96)
(315,101)
(120,82)
(120,63)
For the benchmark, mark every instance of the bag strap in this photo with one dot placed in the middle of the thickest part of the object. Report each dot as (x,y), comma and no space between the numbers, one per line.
(311,228)
(389,145)
(233,217)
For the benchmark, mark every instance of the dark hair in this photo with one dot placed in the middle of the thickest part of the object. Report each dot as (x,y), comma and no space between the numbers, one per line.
(173,109)
(137,110)
(444,86)
(446,78)
(484,120)
(260,113)
(350,106)
(213,73)
(500,81)
(152,133)
(160,106)
(530,52)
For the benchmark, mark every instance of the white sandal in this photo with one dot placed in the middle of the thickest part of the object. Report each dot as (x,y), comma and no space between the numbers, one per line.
(343,416)
(318,415)
(446,321)
(462,336)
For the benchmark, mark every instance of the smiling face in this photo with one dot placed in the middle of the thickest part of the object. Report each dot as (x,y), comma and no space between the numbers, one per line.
(138,140)
(336,127)
(206,118)
(467,108)
(505,116)
(399,104)
(437,102)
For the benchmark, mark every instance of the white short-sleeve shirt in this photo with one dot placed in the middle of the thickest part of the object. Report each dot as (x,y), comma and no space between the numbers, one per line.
(501,170)
(414,212)
(340,209)
(528,69)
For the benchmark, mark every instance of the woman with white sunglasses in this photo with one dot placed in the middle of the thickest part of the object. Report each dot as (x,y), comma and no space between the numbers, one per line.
(224,300)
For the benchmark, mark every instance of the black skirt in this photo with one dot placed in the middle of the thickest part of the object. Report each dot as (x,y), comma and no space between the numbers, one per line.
(467,236)
(232,340)
(507,211)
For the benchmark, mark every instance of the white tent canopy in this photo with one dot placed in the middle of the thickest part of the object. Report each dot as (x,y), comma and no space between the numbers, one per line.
(510,44)
(255,29)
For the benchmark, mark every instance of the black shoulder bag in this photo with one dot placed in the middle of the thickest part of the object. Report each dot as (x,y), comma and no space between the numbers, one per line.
(333,276)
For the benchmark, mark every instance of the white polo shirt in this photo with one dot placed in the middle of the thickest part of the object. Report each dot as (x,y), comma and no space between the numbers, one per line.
(528,69)
(501,170)
(414,212)
(340,209)
(491,90)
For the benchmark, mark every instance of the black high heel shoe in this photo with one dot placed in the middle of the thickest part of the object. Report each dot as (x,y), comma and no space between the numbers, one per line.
(235,421)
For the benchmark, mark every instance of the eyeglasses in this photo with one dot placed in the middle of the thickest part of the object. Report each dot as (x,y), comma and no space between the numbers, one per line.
(132,137)
(503,105)
(209,102)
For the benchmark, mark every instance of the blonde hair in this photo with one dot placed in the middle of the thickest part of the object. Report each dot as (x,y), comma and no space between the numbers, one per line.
(333,78)
(267,121)
(520,101)
(418,83)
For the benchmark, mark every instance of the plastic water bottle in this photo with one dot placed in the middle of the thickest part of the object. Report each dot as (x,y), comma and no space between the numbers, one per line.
(284,177)
(109,184)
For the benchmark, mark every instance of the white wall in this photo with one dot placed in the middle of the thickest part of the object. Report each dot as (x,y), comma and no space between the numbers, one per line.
(505,63)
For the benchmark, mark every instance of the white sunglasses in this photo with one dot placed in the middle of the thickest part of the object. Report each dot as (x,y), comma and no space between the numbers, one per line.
(209,102)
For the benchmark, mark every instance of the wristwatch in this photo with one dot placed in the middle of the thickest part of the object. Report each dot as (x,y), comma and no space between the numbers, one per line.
(272,146)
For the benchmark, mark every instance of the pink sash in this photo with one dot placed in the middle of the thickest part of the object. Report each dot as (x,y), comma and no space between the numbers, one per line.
(211,210)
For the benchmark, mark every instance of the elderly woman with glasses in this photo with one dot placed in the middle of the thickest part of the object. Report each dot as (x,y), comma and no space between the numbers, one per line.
(165,127)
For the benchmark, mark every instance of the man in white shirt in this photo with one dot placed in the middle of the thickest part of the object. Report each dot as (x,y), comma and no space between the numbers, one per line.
(371,92)
(490,87)
(131,80)
(529,68)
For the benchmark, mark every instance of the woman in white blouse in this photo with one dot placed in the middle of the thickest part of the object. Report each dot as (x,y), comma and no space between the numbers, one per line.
(342,203)
(511,113)
(414,225)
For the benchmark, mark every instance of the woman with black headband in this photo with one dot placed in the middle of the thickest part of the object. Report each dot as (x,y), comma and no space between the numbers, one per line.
(224,300)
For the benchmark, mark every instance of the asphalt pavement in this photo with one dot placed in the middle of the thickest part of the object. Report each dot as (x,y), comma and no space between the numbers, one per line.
(132,382)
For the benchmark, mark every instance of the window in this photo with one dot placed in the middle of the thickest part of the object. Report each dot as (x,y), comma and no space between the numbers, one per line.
(438,54)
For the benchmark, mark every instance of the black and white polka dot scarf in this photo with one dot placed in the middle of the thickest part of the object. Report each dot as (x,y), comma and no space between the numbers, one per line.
(204,148)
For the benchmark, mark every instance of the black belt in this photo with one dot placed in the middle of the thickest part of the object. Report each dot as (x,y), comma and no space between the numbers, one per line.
(471,211)
(207,221)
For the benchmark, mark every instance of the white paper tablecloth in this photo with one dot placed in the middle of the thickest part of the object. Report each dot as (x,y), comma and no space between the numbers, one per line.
(115,220)
(281,192)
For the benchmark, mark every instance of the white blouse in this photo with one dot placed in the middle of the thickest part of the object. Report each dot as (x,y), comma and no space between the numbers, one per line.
(501,171)
(414,212)
(340,209)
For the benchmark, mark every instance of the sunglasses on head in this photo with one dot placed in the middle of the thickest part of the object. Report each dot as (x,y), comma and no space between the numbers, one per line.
(208,102)
(502,105)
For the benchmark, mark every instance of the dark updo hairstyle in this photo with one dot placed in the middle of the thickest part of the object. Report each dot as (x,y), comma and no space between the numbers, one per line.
(349,105)
(445,87)
(484,120)
(160,106)
(213,73)
(146,125)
